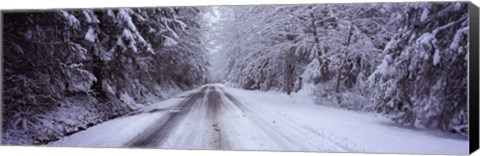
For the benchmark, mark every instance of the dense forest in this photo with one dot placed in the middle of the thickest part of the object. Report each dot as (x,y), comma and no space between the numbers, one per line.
(67,70)
(406,61)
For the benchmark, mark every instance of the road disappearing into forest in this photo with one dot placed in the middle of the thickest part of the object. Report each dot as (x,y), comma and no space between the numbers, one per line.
(218,117)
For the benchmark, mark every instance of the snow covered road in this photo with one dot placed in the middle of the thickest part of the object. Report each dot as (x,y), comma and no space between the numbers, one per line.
(219,117)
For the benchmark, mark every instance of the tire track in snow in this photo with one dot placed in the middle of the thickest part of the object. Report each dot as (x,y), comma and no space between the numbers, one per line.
(155,135)
(321,132)
(211,102)
(295,129)
(207,132)
(214,103)
(286,142)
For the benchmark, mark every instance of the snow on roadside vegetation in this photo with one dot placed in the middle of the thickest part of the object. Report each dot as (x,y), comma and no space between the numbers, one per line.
(117,132)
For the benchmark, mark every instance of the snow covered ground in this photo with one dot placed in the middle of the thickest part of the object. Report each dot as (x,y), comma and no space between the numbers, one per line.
(220,117)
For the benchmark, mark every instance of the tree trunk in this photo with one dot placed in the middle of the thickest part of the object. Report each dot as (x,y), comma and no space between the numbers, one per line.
(339,74)
(325,73)
(288,75)
(97,86)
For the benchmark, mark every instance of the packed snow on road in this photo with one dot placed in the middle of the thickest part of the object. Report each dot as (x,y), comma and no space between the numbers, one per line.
(221,117)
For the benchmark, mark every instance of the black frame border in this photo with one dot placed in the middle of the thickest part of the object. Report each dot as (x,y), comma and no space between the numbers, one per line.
(473,71)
